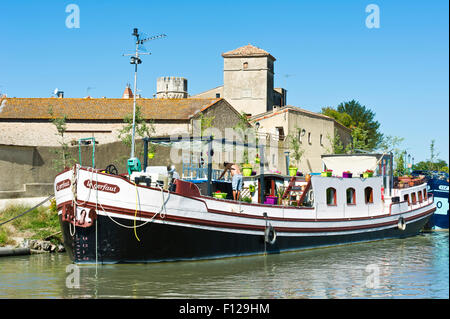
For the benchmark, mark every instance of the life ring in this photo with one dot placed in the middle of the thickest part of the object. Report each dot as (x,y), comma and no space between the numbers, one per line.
(270,235)
(401,223)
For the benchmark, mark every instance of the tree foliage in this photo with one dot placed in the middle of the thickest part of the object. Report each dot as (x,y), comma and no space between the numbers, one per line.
(295,146)
(142,128)
(361,120)
(63,156)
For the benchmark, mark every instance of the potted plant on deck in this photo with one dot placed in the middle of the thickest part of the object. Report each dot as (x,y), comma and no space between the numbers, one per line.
(247,169)
(220,195)
(368,173)
(297,152)
(327,173)
(347,174)
(151,151)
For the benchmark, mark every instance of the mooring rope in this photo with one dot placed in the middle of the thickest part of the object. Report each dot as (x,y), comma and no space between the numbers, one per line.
(29,210)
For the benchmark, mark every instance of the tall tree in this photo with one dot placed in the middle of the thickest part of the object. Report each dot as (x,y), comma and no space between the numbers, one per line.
(364,119)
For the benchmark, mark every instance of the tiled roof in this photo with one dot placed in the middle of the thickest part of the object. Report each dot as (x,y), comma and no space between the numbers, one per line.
(101,109)
(291,108)
(246,51)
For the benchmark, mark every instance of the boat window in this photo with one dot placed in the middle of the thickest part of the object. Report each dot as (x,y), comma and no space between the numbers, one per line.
(406,198)
(425,195)
(413,198)
(331,196)
(351,196)
(368,195)
(419,193)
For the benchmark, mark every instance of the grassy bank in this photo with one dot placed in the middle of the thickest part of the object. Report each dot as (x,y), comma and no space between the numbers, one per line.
(39,223)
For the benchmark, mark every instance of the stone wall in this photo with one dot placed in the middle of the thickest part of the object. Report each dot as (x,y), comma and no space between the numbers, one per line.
(29,171)
(43,133)
(249,89)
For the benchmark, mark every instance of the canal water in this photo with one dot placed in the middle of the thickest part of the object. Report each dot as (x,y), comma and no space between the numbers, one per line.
(416,267)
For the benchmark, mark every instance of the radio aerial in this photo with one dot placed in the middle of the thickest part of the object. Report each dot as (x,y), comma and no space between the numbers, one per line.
(141,38)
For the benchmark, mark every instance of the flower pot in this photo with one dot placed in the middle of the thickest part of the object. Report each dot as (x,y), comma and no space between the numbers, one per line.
(326,174)
(292,171)
(150,155)
(271,200)
(347,175)
(220,195)
(247,171)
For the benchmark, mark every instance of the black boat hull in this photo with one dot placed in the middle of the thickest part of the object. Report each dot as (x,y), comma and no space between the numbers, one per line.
(107,242)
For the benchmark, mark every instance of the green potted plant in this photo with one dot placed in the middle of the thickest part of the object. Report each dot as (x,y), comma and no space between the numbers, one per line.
(297,152)
(220,195)
(247,199)
(368,173)
(292,170)
(151,151)
(327,173)
(247,169)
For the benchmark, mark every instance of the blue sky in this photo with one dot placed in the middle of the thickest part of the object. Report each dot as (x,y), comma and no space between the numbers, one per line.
(325,53)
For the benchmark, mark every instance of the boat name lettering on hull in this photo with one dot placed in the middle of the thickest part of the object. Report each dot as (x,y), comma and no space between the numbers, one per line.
(104,187)
(63,185)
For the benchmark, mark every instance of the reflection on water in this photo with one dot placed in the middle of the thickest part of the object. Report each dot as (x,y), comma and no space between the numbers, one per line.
(415,267)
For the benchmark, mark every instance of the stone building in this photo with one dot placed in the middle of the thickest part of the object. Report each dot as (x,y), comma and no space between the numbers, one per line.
(248,77)
(27,121)
(314,130)
(248,85)
(171,87)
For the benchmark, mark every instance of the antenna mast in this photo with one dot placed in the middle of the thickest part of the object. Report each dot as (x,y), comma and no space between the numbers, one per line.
(136,60)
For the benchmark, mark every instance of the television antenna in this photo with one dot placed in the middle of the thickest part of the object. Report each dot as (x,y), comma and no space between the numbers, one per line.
(141,38)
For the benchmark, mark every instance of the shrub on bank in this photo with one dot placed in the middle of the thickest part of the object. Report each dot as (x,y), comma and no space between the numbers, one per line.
(39,223)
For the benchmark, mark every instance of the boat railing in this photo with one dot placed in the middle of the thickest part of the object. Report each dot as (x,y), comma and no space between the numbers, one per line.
(192,172)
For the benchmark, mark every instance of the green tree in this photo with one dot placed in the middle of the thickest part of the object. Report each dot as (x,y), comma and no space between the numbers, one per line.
(342,118)
(337,147)
(243,128)
(63,156)
(368,137)
(400,164)
(295,146)
(142,129)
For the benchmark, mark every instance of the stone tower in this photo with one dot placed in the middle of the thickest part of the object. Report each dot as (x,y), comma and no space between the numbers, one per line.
(171,87)
(248,79)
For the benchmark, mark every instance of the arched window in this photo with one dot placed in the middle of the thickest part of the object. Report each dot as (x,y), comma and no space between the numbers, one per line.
(351,196)
(331,196)
(413,198)
(368,195)
(425,196)
(406,198)
(419,193)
